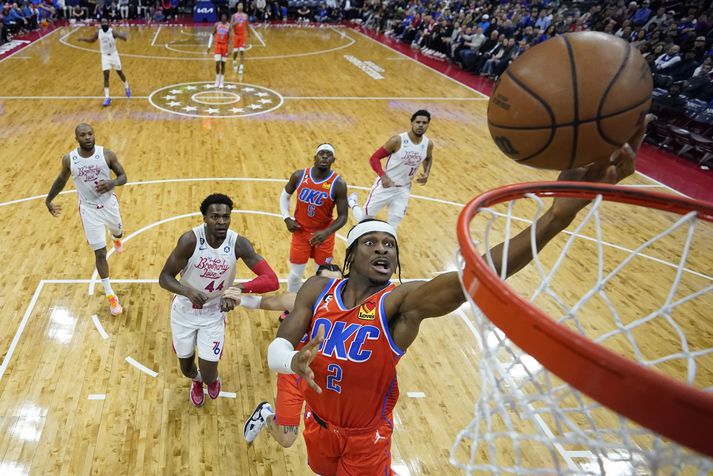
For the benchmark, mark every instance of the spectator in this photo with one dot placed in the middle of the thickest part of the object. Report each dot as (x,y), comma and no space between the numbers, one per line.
(642,15)
(469,57)
(700,85)
(666,61)
(543,21)
(671,103)
(502,55)
(699,48)
(684,69)
(321,15)
(78,13)
(303,13)
(124,9)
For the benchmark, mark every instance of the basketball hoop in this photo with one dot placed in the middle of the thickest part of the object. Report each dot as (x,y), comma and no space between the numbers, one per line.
(582,398)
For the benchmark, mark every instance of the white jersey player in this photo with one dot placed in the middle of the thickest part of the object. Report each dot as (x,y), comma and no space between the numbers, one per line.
(89,166)
(109,56)
(406,153)
(206,258)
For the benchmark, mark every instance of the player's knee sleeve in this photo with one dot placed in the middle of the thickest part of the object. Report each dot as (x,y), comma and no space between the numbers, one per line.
(294,279)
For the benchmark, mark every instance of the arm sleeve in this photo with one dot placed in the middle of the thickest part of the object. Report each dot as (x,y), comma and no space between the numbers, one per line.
(279,356)
(265,281)
(375,160)
(285,204)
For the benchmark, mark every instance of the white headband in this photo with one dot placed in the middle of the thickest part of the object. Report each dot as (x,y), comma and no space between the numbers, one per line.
(327,147)
(369,227)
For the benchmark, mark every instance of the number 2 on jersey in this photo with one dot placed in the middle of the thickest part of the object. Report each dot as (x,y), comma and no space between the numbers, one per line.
(334,378)
(211,288)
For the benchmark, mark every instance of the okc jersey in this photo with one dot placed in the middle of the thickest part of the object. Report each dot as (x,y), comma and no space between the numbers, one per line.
(87,172)
(315,201)
(356,363)
(402,165)
(222,32)
(107,43)
(210,270)
(240,24)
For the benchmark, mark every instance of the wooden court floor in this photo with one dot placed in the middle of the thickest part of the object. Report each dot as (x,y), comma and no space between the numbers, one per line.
(70,402)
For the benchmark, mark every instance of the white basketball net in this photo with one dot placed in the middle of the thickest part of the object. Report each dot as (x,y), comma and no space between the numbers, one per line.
(528,421)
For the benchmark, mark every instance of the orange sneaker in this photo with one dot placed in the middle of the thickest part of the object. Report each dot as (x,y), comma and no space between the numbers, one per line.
(118,246)
(114,305)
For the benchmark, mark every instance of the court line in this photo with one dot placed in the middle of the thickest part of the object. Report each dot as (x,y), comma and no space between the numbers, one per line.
(416,394)
(259,37)
(64,41)
(153,42)
(96,396)
(99,327)
(27,46)
(141,367)
(223,394)
(381,98)
(422,64)
(420,197)
(20,329)
(71,97)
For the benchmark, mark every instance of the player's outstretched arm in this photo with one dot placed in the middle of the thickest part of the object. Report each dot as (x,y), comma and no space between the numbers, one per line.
(266,280)
(107,185)
(90,39)
(340,197)
(58,185)
(122,35)
(176,261)
(415,301)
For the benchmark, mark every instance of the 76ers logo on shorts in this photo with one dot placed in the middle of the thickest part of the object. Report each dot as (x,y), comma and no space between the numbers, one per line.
(216,348)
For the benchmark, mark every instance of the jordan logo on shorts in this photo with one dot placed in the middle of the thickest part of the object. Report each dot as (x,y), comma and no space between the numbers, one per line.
(378,437)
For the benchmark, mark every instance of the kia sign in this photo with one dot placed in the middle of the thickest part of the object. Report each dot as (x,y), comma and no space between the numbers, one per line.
(204,12)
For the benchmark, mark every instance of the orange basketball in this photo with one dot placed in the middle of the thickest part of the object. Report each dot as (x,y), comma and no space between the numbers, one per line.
(570,101)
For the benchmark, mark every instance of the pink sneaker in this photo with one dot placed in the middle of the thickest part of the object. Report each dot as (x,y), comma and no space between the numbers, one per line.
(197,396)
(214,389)
(114,305)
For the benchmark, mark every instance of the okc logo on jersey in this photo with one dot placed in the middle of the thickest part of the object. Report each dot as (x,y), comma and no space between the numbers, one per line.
(213,268)
(367,311)
(312,197)
(345,341)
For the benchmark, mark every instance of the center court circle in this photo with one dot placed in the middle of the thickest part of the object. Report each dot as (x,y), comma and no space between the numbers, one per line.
(216,98)
(203,99)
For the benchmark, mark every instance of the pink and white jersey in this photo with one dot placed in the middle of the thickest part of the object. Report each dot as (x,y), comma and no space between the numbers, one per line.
(402,165)
(210,270)
(87,172)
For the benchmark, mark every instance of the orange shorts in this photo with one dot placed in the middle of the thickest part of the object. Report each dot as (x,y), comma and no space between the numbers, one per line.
(221,50)
(239,41)
(301,251)
(288,407)
(332,452)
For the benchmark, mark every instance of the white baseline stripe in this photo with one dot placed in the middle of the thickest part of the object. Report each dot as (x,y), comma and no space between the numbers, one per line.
(31,44)
(141,367)
(99,327)
(20,329)
(257,35)
(96,396)
(70,97)
(153,42)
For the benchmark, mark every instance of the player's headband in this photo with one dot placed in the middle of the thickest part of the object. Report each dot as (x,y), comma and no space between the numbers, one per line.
(366,227)
(327,147)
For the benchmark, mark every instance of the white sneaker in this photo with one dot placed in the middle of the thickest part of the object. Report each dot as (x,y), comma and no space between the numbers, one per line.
(352,200)
(241,70)
(257,421)
(235,66)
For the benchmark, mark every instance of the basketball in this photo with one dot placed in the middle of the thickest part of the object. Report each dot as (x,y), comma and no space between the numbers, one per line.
(570,101)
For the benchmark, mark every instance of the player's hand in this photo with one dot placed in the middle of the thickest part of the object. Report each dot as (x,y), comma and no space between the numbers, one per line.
(620,165)
(386,181)
(54,209)
(319,237)
(105,186)
(227,304)
(197,298)
(234,293)
(292,225)
(422,178)
(301,360)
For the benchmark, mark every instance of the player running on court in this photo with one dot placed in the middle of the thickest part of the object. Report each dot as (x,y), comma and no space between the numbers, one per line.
(319,190)
(221,36)
(90,167)
(206,258)
(240,37)
(110,56)
(392,188)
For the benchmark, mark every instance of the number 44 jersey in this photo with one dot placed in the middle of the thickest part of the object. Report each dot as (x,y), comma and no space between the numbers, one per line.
(209,270)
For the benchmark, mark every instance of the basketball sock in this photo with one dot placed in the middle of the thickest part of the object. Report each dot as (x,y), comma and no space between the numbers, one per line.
(126,84)
(106,92)
(217,79)
(107,287)
(198,377)
(358,213)
(294,279)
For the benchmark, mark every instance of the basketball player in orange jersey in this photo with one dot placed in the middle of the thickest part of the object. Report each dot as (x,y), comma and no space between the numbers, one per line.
(206,257)
(392,188)
(319,190)
(221,34)
(283,423)
(240,37)
(90,167)
(361,326)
